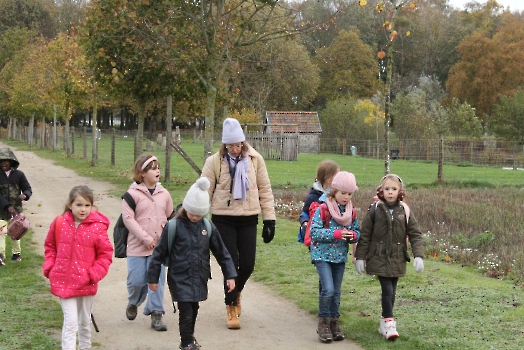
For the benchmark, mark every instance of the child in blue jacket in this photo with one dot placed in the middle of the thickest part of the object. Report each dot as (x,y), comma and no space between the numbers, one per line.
(329,251)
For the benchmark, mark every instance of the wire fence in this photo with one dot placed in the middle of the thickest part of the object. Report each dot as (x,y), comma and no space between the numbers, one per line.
(486,152)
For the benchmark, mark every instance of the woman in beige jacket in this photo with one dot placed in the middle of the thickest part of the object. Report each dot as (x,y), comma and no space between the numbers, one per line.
(240,190)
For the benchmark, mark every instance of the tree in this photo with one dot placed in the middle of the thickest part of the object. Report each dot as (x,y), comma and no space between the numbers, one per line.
(346,118)
(30,14)
(412,120)
(508,121)
(276,75)
(489,67)
(347,68)
(126,60)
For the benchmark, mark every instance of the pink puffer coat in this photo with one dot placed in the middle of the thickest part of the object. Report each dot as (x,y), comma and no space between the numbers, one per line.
(82,258)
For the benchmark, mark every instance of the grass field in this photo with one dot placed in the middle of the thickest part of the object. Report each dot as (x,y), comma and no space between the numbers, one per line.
(473,231)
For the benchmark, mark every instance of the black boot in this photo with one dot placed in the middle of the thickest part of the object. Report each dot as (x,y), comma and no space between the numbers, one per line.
(335,329)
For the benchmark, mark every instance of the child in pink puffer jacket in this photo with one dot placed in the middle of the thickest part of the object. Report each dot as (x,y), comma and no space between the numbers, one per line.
(78,254)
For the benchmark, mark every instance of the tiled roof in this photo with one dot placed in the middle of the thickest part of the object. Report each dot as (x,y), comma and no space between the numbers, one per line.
(308,122)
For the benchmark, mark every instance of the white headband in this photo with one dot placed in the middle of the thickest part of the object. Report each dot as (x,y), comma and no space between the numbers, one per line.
(149,160)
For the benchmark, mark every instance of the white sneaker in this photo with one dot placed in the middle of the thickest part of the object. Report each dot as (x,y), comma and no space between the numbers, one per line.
(388,329)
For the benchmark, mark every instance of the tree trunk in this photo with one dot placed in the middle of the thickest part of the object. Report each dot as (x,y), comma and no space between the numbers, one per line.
(30,130)
(94,127)
(140,130)
(53,143)
(169,126)
(66,131)
(211,94)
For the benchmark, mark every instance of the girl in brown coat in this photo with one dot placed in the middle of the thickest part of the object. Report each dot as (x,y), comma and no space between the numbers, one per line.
(382,249)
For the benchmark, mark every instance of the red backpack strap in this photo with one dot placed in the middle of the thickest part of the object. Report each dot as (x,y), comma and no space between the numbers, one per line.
(325,215)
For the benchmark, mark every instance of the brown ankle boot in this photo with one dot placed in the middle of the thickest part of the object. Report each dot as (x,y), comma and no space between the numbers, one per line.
(335,329)
(324,332)
(232,317)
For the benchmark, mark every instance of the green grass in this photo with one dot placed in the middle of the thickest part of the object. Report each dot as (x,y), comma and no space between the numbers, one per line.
(30,317)
(450,305)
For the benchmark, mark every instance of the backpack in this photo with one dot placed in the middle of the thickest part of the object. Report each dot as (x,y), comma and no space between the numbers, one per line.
(325,216)
(120,231)
(171,231)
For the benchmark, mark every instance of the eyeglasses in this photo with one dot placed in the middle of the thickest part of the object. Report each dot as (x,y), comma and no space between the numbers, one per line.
(237,146)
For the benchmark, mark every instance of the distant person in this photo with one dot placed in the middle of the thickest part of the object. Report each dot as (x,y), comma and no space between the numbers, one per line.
(145,224)
(240,190)
(14,188)
(329,251)
(77,256)
(382,249)
(189,260)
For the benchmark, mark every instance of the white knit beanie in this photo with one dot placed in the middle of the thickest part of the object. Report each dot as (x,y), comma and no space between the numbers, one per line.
(232,132)
(196,201)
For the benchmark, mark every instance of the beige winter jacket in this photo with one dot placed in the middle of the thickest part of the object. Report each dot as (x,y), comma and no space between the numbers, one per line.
(259,197)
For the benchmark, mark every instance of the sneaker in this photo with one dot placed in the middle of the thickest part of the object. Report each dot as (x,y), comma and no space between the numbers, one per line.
(191,346)
(16,257)
(2,260)
(131,311)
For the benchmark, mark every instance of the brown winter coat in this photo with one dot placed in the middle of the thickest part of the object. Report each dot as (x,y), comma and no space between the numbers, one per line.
(383,242)
(259,197)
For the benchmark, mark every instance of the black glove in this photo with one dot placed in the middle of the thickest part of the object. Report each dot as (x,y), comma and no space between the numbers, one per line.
(268,232)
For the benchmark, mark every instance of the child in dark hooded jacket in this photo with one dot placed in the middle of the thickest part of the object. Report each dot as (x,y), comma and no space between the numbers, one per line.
(189,260)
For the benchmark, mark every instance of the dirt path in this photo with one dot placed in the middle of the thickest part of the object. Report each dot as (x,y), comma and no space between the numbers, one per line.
(268,321)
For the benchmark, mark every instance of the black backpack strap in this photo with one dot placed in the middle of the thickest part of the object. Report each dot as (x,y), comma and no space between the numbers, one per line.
(129,199)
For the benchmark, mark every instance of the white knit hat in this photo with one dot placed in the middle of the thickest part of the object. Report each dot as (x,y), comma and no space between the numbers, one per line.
(196,201)
(232,132)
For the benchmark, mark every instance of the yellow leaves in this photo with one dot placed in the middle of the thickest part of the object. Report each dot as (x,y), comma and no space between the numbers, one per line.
(412,6)
(393,35)
(362,2)
(408,33)
(380,7)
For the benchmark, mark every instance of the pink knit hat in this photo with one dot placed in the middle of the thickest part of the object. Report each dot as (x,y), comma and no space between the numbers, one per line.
(345,182)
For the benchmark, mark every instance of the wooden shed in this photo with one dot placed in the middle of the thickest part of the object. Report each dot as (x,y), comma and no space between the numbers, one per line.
(308,125)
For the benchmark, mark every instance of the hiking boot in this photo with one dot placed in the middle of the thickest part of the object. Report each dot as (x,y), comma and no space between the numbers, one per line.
(335,329)
(16,258)
(324,333)
(156,321)
(131,311)
(388,328)
(232,317)
(2,260)
(239,308)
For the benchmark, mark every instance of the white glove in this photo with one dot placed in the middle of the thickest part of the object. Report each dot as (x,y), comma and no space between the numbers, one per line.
(360,266)
(419,264)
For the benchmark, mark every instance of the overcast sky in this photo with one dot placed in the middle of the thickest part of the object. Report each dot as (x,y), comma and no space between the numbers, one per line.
(515,5)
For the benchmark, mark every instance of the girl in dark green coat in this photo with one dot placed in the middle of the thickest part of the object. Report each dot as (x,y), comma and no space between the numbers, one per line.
(382,249)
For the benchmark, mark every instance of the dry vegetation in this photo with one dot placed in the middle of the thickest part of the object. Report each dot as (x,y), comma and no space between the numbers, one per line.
(474,227)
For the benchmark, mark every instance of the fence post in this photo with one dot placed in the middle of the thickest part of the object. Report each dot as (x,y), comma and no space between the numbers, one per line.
(113,145)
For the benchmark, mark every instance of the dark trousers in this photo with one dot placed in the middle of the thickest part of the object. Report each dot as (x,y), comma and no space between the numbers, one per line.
(389,290)
(187,315)
(239,234)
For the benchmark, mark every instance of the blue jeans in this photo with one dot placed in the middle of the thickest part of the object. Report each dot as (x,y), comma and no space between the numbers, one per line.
(137,288)
(330,275)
